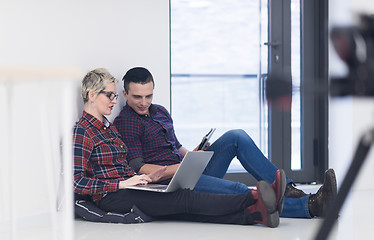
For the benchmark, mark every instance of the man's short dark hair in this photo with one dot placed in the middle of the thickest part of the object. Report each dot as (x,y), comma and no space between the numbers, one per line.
(137,75)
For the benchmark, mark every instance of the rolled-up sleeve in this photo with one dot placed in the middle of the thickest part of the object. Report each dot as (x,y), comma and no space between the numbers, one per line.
(136,163)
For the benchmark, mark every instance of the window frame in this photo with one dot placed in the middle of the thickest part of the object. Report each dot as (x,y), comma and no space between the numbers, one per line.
(314,83)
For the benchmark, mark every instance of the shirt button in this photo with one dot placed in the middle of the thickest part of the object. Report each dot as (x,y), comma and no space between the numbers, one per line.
(104,128)
(121,146)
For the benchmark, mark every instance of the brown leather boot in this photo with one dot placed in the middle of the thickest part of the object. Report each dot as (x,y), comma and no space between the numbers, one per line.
(319,202)
(292,192)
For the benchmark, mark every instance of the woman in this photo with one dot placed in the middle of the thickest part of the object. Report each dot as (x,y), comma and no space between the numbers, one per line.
(101,171)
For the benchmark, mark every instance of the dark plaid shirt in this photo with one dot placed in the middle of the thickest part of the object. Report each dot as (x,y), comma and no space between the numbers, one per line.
(149,138)
(99,158)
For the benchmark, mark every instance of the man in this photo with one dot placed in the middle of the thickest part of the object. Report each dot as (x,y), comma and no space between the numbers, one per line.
(147,130)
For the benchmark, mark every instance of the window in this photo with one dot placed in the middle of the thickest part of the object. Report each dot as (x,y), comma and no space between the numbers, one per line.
(217,69)
(295,73)
(218,66)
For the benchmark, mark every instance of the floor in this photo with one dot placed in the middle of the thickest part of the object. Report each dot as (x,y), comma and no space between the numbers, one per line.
(355,222)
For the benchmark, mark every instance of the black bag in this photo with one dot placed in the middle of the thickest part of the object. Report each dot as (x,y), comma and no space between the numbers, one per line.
(90,212)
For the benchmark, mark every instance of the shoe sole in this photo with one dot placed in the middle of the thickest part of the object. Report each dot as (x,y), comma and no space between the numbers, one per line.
(283,189)
(269,199)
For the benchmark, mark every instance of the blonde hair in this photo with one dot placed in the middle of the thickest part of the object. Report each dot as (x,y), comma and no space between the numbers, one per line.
(96,80)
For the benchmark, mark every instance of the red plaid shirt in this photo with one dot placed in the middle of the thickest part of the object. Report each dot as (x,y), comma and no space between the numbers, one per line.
(99,158)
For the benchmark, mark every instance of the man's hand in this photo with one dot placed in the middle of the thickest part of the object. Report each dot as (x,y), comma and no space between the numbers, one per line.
(157,174)
(150,168)
(205,148)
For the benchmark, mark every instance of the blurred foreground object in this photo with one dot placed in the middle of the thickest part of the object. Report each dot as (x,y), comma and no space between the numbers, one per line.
(279,91)
(355,46)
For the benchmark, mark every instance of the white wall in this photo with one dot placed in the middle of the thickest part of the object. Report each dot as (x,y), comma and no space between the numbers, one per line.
(86,34)
(45,37)
(349,117)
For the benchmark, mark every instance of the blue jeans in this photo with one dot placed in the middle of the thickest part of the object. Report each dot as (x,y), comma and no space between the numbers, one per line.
(237,143)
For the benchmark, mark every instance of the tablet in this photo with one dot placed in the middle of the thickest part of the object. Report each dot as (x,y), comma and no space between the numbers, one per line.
(205,140)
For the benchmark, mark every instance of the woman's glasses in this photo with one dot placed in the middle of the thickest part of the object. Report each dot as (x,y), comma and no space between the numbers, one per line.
(110,95)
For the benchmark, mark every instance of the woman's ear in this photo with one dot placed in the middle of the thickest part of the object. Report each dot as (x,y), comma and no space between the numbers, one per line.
(91,95)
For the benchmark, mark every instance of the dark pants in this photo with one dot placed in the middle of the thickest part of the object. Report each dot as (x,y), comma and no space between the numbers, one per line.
(183,205)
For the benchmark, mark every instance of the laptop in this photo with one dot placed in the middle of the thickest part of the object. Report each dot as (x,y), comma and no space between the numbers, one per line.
(186,176)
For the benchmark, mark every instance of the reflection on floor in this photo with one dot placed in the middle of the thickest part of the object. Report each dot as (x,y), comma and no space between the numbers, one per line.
(355,222)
